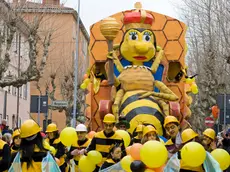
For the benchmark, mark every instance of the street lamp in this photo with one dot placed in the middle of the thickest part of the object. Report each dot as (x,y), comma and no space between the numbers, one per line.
(76,66)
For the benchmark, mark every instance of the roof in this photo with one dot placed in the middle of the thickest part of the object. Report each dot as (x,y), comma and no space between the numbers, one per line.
(30,7)
(20,23)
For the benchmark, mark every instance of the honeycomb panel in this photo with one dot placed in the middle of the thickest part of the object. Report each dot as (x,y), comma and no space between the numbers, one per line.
(173,30)
(99,53)
(160,38)
(160,21)
(91,60)
(173,50)
(176,90)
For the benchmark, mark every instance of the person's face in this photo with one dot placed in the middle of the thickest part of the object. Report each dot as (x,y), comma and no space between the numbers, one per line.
(122,127)
(172,130)
(140,135)
(116,154)
(108,127)
(206,140)
(81,135)
(151,136)
(51,135)
(17,140)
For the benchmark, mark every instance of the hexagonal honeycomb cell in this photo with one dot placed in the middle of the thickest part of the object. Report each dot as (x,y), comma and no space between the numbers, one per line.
(173,30)
(173,50)
(98,53)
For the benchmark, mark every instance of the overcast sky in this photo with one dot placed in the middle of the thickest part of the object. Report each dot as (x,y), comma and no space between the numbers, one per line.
(92,11)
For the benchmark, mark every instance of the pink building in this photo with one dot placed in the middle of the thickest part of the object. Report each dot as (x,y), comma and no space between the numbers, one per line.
(14,101)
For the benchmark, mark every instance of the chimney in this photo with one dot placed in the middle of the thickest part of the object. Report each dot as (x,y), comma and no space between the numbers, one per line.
(51,2)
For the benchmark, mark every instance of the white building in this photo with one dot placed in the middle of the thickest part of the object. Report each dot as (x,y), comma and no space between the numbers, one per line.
(19,50)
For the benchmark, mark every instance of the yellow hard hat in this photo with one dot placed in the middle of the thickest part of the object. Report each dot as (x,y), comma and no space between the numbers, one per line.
(29,128)
(109,118)
(188,134)
(16,133)
(149,128)
(210,133)
(140,128)
(51,128)
(170,119)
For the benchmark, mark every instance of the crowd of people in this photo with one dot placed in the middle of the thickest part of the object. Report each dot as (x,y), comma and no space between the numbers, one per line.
(33,145)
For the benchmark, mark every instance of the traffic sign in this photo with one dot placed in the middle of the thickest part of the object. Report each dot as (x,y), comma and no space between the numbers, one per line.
(209,122)
(60,103)
(35,101)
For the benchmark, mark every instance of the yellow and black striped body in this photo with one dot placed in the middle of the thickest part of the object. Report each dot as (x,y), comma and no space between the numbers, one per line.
(141,111)
(103,143)
(55,144)
(78,146)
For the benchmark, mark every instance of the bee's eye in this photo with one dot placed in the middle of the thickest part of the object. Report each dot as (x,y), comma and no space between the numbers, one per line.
(133,36)
(146,38)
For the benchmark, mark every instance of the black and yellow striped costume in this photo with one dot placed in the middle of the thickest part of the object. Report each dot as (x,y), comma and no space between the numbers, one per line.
(4,156)
(141,111)
(109,162)
(102,142)
(80,144)
(60,151)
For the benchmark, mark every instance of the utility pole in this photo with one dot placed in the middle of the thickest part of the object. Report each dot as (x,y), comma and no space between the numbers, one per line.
(18,90)
(5,105)
(76,66)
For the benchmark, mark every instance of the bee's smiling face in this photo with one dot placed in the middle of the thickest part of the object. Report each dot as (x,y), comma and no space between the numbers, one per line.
(138,46)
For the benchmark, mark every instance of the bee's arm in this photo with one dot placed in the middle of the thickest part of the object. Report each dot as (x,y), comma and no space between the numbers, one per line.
(165,92)
(157,60)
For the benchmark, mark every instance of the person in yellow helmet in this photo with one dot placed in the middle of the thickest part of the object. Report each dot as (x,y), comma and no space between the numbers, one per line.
(15,146)
(54,140)
(149,133)
(5,155)
(208,140)
(114,156)
(189,135)
(31,148)
(139,134)
(172,127)
(103,140)
(82,143)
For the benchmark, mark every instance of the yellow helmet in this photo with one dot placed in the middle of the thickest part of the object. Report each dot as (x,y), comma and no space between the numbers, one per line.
(140,128)
(210,133)
(51,128)
(29,128)
(170,119)
(16,133)
(149,128)
(109,118)
(188,134)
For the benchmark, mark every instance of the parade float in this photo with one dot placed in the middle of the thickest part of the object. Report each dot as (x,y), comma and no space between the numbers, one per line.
(137,69)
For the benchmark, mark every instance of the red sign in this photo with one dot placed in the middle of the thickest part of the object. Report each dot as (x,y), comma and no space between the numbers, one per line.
(209,122)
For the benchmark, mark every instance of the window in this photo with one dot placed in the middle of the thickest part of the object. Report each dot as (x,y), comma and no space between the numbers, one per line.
(20,92)
(84,46)
(25,91)
(13,121)
(14,91)
(9,89)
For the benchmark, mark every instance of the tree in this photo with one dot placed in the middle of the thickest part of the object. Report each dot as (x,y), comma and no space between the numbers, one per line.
(12,20)
(209,52)
(65,80)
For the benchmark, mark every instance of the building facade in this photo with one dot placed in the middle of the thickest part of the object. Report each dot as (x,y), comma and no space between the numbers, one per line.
(62,23)
(14,101)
